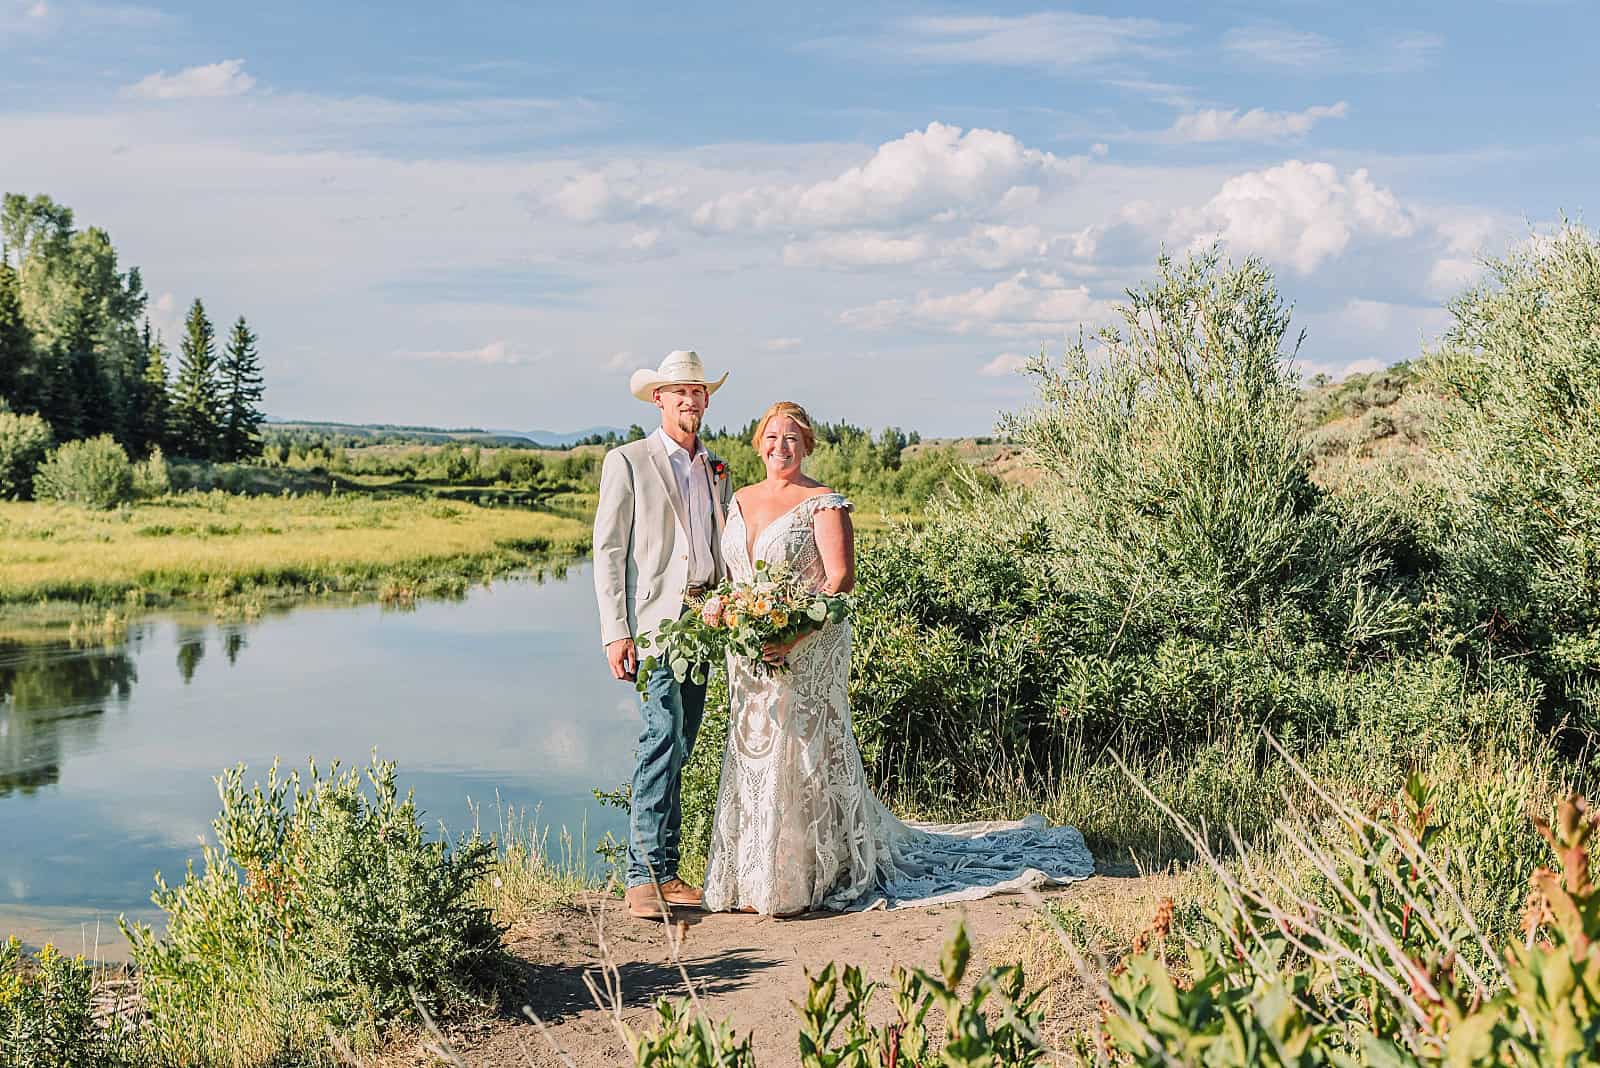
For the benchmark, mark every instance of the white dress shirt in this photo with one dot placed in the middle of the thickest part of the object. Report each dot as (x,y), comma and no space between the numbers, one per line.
(694,489)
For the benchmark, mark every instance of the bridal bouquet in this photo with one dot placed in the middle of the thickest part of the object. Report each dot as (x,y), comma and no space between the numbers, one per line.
(773,607)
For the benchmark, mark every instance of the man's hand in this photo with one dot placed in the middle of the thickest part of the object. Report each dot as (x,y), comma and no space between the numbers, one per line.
(624,659)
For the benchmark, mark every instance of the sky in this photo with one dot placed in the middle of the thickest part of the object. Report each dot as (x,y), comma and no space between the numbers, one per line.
(488,214)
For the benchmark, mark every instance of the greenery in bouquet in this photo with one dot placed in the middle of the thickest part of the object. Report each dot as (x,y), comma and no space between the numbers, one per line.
(774,607)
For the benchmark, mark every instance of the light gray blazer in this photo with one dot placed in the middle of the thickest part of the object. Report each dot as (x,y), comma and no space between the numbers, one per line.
(641,537)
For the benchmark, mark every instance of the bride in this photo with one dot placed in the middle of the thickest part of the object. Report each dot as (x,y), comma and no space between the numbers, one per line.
(796,826)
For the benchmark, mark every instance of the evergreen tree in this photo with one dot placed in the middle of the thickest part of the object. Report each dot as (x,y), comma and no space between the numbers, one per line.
(145,395)
(16,346)
(196,404)
(154,422)
(240,376)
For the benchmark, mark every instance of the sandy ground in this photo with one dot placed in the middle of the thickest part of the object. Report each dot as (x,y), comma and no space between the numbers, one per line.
(748,970)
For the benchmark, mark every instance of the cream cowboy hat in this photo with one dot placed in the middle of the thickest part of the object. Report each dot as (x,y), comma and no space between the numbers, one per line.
(680,368)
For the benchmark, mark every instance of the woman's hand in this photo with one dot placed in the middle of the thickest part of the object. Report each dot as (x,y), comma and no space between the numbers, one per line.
(776,653)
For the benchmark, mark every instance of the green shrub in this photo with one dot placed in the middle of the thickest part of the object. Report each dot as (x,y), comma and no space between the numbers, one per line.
(24,441)
(320,907)
(46,1014)
(1520,522)
(1178,472)
(151,476)
(93,472)
(1383,966)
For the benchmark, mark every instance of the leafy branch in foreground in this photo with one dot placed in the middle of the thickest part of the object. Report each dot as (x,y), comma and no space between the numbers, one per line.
(1379,962)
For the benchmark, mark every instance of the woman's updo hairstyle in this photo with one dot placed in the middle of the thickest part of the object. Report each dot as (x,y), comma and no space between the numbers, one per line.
(807,436)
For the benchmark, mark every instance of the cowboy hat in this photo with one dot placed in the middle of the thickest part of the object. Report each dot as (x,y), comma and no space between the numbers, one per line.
(681,368)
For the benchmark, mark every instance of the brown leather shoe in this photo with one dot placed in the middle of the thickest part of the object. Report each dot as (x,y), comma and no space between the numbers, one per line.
(644,902)
(678,892)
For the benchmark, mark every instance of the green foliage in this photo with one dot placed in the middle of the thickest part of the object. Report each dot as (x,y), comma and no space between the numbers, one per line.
(1180,480)
(24,442)
(16,346)
(934,1024)
(46,1013)
(71,344)
(151,476)
(93,472)
(1382,966)
(197,394)
(1520,522)
(322,905)
(684,1038)
(240,388)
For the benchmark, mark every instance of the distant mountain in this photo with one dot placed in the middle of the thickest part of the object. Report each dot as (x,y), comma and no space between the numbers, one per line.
(560,440)
(547,438)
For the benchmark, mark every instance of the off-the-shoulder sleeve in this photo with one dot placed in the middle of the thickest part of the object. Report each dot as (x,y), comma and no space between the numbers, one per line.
(824,501)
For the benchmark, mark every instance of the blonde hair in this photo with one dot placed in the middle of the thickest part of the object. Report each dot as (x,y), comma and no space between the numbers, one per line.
(787,408)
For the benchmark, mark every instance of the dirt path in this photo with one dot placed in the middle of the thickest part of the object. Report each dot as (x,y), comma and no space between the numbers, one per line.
(748,970)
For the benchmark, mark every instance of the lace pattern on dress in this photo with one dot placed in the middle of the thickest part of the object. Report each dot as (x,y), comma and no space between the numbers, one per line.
(796,825)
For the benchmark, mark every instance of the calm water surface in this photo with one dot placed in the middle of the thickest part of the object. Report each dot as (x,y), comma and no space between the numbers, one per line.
(107,754)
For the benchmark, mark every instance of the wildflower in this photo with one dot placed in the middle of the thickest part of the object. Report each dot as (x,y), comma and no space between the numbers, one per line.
(779,618)
(732,619)
(711,612)
(761,606)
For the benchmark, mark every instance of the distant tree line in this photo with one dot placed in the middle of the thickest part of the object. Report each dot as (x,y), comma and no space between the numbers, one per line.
(77,348)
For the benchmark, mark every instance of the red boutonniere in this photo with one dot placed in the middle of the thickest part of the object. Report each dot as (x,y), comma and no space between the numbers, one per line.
(719,469)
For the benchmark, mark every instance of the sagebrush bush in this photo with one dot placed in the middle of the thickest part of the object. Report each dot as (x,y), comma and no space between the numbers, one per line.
(151,476)
(1520,522)
(322,907)
(93,472)
(24,442)
(1178,471)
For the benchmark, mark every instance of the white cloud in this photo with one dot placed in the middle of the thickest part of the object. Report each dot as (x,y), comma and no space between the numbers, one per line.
(1027,305)
(781,344)
(225,78)
(1057,41)
(919,175)
(617,361)
(618,192)
(860,249)
(1298,213)
(1307,52)
(1257,124)
(1003,365)
(495,353)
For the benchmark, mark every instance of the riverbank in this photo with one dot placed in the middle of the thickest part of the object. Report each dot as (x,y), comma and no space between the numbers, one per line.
(61,564)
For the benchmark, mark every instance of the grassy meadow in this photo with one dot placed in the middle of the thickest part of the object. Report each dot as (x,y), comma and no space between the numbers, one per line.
(216,546)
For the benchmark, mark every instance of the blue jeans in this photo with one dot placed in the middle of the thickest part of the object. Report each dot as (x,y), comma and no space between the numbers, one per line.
(672,713)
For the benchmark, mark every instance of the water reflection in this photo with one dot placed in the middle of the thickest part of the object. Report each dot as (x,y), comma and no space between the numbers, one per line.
(107,754)
(53,696)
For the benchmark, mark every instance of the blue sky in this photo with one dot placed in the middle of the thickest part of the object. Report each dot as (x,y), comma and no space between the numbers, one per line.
(490,213)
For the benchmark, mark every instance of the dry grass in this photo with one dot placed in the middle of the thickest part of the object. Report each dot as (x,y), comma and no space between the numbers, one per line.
(215,546)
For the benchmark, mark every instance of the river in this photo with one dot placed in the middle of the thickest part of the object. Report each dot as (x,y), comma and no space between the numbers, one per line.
(107,753)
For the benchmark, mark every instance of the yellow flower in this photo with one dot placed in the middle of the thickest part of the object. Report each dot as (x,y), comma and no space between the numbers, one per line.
(761,606)
(731,620)
(780,618)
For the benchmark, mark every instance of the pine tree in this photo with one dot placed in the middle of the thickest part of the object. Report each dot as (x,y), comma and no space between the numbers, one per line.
(16,345)
(240,376)
(147,400)
(195,403)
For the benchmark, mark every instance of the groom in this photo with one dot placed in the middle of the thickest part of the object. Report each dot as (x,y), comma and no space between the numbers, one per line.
(663,502)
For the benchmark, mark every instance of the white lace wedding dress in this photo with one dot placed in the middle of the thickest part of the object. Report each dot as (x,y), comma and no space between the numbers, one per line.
(796,826)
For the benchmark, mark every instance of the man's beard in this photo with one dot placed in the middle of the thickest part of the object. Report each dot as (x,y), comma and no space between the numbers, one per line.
(689,422)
